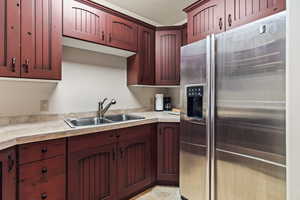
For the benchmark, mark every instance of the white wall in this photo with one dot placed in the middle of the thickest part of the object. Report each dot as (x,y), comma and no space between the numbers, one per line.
(293,100)
(86,77)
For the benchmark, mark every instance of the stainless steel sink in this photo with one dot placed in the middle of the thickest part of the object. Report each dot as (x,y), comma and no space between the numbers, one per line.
(90,121)
(123,117)
(95,121)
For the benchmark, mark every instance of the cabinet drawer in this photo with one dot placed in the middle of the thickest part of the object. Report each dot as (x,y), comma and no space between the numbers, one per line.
(52,190)
(80,143)
(41,150)
(134,132)
(42,171)
(43,179)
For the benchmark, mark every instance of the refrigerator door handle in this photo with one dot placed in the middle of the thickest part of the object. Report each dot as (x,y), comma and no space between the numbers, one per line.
(208,117)
(212,115)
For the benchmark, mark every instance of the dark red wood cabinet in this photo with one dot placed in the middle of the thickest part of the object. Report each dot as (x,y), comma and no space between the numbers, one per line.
(184,35)
(141,67)
(122,33)
(134,160)
(10,38)
(167,56)
(83,21)
(42,170)
(240,12)
(204,18)
(168,153)
(92,173)
(111,165)
(30,37)
(8,174)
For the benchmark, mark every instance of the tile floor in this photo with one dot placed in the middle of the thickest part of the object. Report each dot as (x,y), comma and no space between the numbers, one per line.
(159,193)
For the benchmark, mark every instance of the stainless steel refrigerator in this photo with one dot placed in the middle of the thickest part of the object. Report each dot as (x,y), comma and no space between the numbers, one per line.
(232,140)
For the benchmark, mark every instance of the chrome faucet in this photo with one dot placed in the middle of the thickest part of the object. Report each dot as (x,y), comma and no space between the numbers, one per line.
(101,110)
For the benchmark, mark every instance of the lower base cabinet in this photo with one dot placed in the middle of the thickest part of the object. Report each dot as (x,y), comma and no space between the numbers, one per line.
(92,174)
(8,174)
(111,171)
(168,153)
(134,161)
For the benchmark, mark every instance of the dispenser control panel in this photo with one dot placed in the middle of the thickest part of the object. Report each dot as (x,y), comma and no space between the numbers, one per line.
(194,95)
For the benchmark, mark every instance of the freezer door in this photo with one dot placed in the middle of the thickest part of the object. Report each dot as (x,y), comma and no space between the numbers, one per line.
(194,154)
(250,111)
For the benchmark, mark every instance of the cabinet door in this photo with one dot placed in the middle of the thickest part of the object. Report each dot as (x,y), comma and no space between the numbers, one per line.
(8,174)
(82,21)
(184,35)
(134,165)
(141,67)
(92,174)
(146,51)
(240,12)
(168,44)
(206,19)
(122,33)
(41,35)
(10,38)
(168,153)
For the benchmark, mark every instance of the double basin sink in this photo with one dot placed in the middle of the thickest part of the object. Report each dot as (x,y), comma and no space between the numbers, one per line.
(95,121)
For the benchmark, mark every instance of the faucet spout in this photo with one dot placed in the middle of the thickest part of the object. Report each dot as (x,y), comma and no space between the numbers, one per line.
(101,110)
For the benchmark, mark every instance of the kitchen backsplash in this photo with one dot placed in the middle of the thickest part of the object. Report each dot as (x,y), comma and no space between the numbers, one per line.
(86,78)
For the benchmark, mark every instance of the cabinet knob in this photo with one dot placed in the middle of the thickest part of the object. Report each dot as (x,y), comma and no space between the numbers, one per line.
(44,170)
(44,150)
(44,196)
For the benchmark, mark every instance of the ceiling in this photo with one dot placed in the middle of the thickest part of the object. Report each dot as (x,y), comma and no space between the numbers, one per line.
(164,12)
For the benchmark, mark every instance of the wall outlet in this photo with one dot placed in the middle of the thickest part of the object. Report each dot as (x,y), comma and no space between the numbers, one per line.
(44,105)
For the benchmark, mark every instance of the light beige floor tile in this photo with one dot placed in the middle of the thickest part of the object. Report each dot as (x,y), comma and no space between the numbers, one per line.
(159,193)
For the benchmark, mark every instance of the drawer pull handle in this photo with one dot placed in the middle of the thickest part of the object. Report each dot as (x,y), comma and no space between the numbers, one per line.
(44,170)
(220,23)
(103,36)
(13,66)
(44,150)
(229,20)
(11,163)
(44,196)
(26,66)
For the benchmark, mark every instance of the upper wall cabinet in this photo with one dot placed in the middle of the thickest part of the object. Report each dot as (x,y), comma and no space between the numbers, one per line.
(122,33)
(167,67)
(87,21)
(82,21)
(41,31)
(205,19)
(240,12)
(10,38)
(213,16)
(141,67)
(30,38)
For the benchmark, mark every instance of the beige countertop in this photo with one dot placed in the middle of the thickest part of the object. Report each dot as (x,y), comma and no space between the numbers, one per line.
(33,132)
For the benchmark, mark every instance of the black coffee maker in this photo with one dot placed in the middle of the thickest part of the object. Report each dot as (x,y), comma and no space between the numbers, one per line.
(167,104)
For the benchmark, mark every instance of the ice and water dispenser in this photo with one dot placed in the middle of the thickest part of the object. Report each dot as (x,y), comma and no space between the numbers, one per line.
(194,96)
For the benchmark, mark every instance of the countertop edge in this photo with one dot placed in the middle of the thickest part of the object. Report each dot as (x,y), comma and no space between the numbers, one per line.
(71,132)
